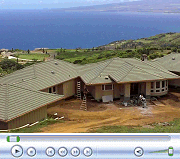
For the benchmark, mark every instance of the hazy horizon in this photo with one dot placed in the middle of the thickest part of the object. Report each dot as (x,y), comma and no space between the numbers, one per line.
(48,4)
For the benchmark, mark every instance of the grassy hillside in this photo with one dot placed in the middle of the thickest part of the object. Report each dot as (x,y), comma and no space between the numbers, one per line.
(160,41)
(154,46)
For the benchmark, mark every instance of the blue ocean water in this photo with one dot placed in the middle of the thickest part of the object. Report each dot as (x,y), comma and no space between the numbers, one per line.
(29,29)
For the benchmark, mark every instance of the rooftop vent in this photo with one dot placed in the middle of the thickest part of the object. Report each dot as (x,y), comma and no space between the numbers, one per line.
(56,63)
(52,72)
(106,77)
(173,58)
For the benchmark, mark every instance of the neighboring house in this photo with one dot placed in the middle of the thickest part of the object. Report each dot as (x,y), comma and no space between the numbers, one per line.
(172,63)
(26,91)
(7,54)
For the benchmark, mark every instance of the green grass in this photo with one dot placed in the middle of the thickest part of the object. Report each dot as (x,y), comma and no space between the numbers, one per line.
(33,56)
(37,127)
(174,127)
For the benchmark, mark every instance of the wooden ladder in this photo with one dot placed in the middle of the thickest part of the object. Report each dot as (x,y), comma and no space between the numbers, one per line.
(79,90)
(84,103)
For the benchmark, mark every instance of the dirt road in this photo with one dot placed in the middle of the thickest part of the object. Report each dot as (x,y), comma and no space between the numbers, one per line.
(100,115)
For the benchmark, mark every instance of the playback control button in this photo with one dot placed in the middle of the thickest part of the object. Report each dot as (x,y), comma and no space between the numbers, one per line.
(87,151)
(63,151)
(75,152)
(50,151)
(138,151)
(31,151)
(17,151)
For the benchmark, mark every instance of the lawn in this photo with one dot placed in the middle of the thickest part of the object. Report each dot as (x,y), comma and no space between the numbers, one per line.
(173,127)
(33,56)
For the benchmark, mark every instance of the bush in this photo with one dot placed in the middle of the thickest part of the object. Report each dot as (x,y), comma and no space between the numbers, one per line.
(77,61)
(155,55)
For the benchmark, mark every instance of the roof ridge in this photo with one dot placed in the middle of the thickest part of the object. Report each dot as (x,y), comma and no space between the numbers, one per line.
(146,71)
(128,71)
(159,68)
(110,60)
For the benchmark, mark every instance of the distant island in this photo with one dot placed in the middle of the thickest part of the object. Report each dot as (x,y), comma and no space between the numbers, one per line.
(154,6)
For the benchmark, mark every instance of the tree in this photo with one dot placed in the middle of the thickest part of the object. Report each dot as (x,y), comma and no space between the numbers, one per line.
(43,50)
(12,49)
(17,57)
(28,51)
(10,65)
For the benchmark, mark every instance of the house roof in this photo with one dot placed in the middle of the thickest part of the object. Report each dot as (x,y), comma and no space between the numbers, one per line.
(122,70)
(16,101)
(171,62)
(41,75)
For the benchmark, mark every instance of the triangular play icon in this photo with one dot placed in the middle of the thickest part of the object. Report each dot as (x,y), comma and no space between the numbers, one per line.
(17,151)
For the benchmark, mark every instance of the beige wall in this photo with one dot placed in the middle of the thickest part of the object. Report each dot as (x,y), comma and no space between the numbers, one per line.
(148,88)
(60,89)
(99,92)
(28,118)
(127,88)
(69,88)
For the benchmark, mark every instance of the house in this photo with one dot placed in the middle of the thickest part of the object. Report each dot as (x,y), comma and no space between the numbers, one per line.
(26,93)
(172,63)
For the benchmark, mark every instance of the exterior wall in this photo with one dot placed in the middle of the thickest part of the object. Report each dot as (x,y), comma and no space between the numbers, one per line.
(3,125)
(28,118)
(148,89)
(116,92)
(69,88)
(99,92)
(142,88)
(127,88)
(60,89)
(175,82)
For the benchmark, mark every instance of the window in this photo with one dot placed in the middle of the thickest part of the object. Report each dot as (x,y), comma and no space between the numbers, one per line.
(54,89)
(157,90)
(157,84)
(50,90)
(163,90)
(152,90)
(163,84)
(107,87)
(152,85)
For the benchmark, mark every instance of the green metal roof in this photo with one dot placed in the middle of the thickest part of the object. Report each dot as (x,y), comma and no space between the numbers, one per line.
(125,70)
(40,76)
(16,101)
(171,62)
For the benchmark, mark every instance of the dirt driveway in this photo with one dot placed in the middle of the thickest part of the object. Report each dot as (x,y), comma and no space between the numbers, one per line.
(100,114)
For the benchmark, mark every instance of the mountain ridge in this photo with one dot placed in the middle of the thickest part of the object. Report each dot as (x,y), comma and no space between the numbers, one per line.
(154,6)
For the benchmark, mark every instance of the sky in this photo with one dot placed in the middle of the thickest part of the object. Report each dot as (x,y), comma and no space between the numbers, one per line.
(40,4)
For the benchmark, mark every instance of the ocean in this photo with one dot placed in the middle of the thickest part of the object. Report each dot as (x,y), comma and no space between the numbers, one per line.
(30,29)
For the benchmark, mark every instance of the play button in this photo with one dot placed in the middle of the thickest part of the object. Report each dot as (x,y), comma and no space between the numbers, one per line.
(17,151)
(138,151)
